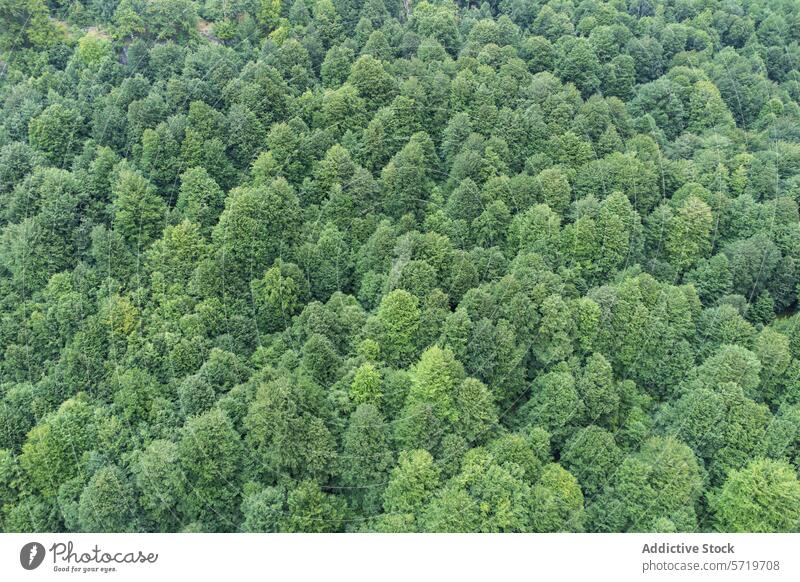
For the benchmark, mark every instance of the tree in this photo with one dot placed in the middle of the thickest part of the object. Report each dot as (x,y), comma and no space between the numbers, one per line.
(651,490)
(8,473)
(405,179)
(57,132)
(327,22)
(706,108)
(26,22)
(555,189)
(17,160)
(648,55)
(54,445)
(200,199)
(439,22)
(246,135)
(537,231)
(243,250)
(689,233)
(752,263)
(374,84)
(343,109)
(576,62)
(106,503)
(159,484)
(712,278)
(395,327)
(484,497)
(263,508)
(310,510)
(557,503)
(32,250)
(276,297)
(268,13)
(320,359)
(430,406)
(593,457)
(139,212)
(412,483)
(285,432)
(178,251)
(598,392)
(336,67)
(93,48)
(772,350)
(160,157)
(764,496)
(196,395)
(210,455)
(170,19)
(477,413)
(555,403)
(368,457)
(17,416)
(722,426)
(366,386)
(619,77)
(326,263)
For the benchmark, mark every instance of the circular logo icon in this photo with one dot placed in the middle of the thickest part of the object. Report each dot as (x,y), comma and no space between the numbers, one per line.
(31,555)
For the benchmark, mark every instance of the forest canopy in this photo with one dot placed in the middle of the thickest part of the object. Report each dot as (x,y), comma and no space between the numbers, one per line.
(399,265)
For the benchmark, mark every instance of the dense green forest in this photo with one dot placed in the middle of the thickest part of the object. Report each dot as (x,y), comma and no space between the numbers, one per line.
(399,265)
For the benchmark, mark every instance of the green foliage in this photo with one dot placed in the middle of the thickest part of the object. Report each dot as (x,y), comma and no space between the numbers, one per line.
(484,497)
(762,497)
(689,233)
(268,12)
(258,223)
(430,407)
(396,324)
(286,432)
(593,457)
(367,457)
(263,509)
(366,386)
(276,298)
(310,510)
(412,483)
(210,456)
(332,265)
(55,447)
(200,199)
(106,503)
(139,212)
(557,502)
(659,484)
(56,132)
(93,48)
(160,484)
(26,23)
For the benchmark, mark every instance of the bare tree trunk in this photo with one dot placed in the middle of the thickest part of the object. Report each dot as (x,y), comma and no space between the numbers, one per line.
(407,4)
